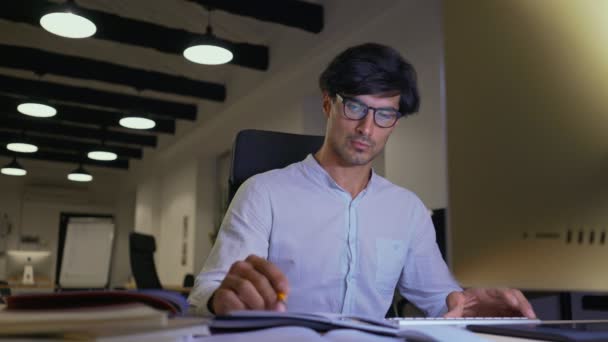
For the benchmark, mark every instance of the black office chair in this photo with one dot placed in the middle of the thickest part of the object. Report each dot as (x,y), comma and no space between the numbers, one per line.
(5,291)
(188,280)
(257,151)
(141,253)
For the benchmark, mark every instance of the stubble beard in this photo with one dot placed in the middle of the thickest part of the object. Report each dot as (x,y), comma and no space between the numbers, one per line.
(351,156)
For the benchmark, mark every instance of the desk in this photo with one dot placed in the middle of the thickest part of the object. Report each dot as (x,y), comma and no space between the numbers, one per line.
(497,338)
(177,288)
(302,334)
(299,334)
(40,283)
(43,287)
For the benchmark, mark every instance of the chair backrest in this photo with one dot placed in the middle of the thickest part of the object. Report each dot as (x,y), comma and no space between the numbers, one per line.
(257,151)
(439,221)
(141,253)
(188,280)
(4,290)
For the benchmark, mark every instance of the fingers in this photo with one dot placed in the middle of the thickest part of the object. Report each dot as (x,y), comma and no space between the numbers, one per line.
(225,300)
(271,272)
(244,289)
(515,299)
(455,302)
(280,306)
(524,305)
(251,284)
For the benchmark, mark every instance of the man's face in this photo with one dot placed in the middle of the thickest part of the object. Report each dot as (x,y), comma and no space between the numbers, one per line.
(357,142)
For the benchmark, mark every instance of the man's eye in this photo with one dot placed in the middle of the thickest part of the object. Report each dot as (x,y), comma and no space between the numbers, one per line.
(354,106)
(386,114)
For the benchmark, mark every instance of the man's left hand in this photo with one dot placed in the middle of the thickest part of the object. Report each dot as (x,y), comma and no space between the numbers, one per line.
(480,302)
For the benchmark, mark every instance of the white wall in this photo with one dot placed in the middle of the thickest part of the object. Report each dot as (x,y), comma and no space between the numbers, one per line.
(286,99)
(207,207)
(147,206)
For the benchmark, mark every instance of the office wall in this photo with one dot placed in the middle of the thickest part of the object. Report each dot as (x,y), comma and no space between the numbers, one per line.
(177,222)
(286,98)
(147,208)
(10,204)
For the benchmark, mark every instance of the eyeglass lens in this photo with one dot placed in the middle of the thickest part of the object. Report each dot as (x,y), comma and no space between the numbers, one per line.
(356,111)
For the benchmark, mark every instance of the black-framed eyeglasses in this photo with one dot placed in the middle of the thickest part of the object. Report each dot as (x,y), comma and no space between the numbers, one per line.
(357,110)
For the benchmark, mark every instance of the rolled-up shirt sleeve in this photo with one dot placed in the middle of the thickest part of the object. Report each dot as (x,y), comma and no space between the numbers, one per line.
(245,230)
(426,280)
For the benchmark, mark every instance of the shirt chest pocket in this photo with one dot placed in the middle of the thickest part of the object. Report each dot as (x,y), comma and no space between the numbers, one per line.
(390,256)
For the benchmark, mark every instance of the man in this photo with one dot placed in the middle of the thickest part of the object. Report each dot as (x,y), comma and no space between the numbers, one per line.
(329,233)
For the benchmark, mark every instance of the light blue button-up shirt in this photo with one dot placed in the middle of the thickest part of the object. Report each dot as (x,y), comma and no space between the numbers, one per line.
(340,254)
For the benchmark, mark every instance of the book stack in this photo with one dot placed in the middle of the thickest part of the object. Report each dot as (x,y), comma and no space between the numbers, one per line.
(98,316)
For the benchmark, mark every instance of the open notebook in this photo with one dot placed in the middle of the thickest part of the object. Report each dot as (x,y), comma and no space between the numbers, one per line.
(238,321)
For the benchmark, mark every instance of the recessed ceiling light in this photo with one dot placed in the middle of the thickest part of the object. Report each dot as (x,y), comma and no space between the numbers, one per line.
(68,25)
(102,155)
(137,122)
(22,147)
(38,110)
(13,169)
(80,175)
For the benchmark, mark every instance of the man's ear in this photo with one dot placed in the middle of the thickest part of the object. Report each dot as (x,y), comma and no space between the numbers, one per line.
(326,104)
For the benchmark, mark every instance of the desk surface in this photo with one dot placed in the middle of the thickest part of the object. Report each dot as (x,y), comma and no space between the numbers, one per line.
(497,338)
(488,337)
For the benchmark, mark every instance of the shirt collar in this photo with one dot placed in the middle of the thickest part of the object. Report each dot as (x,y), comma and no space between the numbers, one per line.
(313,167)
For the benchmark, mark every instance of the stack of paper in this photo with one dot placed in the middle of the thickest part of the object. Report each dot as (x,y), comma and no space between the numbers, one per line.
(124,322)
(62,320)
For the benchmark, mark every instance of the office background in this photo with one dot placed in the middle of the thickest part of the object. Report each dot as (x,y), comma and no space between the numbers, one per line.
(173,192)
(176,183)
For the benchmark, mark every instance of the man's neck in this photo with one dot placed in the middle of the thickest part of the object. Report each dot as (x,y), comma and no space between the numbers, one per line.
(351,178)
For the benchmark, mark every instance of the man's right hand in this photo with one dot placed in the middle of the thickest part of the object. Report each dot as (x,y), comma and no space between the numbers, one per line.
(252,284)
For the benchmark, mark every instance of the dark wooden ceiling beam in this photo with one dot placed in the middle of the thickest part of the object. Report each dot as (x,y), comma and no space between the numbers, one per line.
(128,103)
(73,146)
(44,62)
(299,14)
(75,132)
(135,32)
(82,115)
(67,158)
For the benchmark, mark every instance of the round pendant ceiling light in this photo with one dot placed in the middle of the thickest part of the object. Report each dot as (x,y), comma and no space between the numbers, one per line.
(102,155)
(13,169)
(137,122)
(39,110)
(80,175)
(22,147)
(65,21)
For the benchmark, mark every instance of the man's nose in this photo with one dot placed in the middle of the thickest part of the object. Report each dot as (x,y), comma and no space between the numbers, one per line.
(366,125)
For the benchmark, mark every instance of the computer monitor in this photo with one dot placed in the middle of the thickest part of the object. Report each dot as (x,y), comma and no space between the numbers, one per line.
(527,143)
(28,267)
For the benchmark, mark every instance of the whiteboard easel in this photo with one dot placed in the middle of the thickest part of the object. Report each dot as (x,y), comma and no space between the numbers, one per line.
(87,253)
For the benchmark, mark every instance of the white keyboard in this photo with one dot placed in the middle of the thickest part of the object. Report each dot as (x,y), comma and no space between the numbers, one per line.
(407,321)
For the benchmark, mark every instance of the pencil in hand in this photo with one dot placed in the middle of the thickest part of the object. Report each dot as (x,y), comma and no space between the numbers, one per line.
(282,300)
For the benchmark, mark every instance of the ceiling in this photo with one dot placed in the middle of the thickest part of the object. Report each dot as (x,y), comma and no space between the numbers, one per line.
(133,64)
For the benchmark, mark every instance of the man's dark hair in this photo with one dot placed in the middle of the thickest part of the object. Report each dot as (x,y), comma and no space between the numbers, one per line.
(372,69)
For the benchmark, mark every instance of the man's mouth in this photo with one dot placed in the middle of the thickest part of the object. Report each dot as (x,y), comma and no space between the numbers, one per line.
(360,145)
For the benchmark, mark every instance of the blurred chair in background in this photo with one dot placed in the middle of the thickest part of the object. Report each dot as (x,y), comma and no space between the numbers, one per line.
(141,253)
